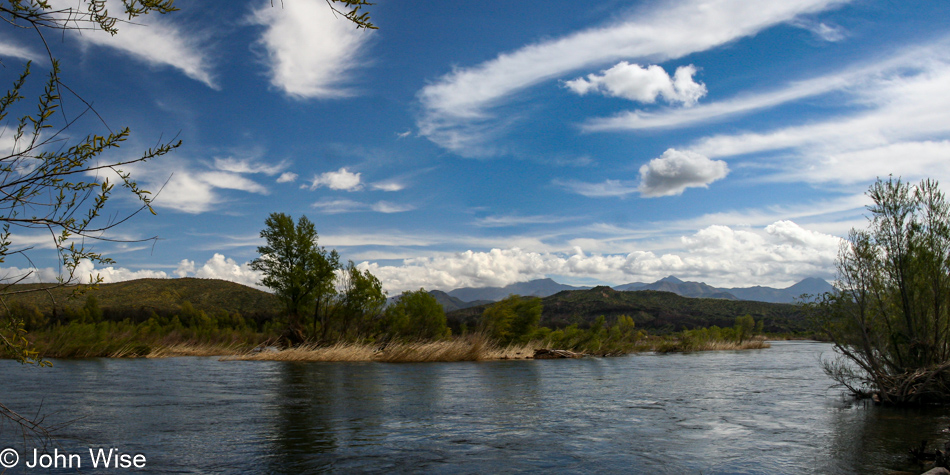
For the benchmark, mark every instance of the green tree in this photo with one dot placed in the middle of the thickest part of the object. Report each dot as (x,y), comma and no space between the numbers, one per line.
(362,301)
(416,315)
(889,317)
(294,267)
(512,320)
(744,326)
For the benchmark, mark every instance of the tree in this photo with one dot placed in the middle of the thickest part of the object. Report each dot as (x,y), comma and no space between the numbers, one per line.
(512,319)
(294,267)
(745,324)
(362,301)
(889,317)
(416,315)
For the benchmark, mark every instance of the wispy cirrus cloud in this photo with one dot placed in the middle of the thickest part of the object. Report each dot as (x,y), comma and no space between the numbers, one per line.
(850,80)
(457,108)
(310,51)
(607,188)
(154,40)
(352,206)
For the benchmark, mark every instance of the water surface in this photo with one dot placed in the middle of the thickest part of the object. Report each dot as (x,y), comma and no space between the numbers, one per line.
(758,411)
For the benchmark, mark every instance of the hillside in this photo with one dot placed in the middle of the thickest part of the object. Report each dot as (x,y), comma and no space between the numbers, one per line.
(535,288)
(160,295)
(654,310)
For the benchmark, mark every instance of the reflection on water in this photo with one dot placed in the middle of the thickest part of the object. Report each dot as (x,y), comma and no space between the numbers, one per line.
(762,411)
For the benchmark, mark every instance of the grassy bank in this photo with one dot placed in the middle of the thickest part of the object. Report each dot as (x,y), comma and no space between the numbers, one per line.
(468,348)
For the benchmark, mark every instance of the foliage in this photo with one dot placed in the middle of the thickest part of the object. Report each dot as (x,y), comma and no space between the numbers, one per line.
(52,183)
(745,325)
(512,320)
(361,302)
(656,311)
(294,267)
(416,316)
(889,319)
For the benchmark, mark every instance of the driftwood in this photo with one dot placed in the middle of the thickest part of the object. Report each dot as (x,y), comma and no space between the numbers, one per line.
(546,354)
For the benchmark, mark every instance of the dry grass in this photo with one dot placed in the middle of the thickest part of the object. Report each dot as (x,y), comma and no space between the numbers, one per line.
(177,349)
(470,348)
(678,346)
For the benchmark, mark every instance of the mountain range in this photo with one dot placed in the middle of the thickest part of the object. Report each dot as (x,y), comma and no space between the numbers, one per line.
(470,297)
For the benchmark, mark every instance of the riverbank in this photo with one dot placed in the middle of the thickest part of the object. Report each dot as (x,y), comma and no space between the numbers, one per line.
(248,347)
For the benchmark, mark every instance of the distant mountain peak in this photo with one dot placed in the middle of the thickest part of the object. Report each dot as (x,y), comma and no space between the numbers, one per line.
(671,279)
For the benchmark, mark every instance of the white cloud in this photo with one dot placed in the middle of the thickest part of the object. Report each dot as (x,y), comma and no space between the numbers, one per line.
(225,268)
(311,52)
(675,171)
(513,220)
(350,206)
(780,254)
(636,83)
(192,187)
(8,49)
(389,186)
(338,206)
(456,108)
(598,190)
(853,77)
(903,129)
(217,267)
(247,165)
(824,31)
(388,207)
(154,40)
(341,179)
(287,177)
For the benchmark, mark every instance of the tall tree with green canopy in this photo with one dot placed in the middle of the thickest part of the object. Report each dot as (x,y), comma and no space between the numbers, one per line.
(890,318)
(294,267)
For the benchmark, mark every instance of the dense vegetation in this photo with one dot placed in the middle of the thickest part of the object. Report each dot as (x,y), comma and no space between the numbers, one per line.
(890,320)
(658,312)
(199,316)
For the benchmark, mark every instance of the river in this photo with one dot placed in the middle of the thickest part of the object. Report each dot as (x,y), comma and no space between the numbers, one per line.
(758,411)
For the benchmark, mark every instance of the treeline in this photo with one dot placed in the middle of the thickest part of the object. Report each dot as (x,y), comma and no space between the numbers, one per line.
(516,320)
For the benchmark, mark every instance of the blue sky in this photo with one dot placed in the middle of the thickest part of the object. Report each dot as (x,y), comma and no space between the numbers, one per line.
(481,143)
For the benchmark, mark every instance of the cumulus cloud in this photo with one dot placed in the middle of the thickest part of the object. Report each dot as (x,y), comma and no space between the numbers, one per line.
(221,267)
(217,267)
(779,254)
(675,171)
(287,177)
(636,83)
(341,179)
(457,107)
(154,40)
(311,52)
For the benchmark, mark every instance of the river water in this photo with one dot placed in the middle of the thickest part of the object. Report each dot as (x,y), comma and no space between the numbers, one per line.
(759,411)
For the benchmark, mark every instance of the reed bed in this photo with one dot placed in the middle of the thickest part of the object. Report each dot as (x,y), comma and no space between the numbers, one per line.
(681,346)
(473,348)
